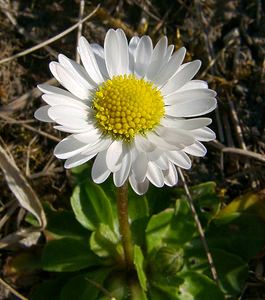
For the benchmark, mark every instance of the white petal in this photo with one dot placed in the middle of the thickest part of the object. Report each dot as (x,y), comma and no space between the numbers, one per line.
(178,137)
(68,81)
(143,144)
(204,134)
(50,90)
(196,149)
(57,99)
(100,58)
(111,50)
(77,160)
(159,142)
(41,114)
(77,71)
(101,145)
(91,136)
(100,171)
(161,162)
(169,52)
(181,77)
(122,174)
(189,124)
(89,61)
(158,58)
(98,50)
(186,95)
(68,116)
(69,147)
(180,159)
(123,52)
(140,188)
(71,130)
(171,175)
(114,155)
(139,167)
(143,55)
(171,67)
(132,51)
(192,108)
(194,84)
(155,175)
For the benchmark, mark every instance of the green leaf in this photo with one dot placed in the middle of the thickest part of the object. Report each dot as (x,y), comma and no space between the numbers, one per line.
(63,224)
(104,242)
(137,293)
(171,227)
(23,264)
(188,286)
(205,198)
(139,215)
(66,255)
(240,221)
(116,285)
(159,199)
(138,206)
(240,233)
(92,206)
(85,286)
(139,265)
(167,261)
(251,203)
(49,289)
(231,269)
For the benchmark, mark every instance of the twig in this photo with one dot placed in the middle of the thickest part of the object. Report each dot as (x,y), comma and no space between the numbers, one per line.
(8,214)
(79,31)
(28,155)
(200,230)
(6,10)
(46,173)
(51,40)
(228,131)
(114,22)
(247,153)
(8,204)
(237,126)
(161,22)
(214,60)
(12,290)
(21,101)
(219,125)
(40,132)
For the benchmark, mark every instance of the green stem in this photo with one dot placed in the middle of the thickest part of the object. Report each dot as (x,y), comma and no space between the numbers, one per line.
(124,226)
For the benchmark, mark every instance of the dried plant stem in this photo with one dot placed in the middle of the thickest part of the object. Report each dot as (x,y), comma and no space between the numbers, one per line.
(80,27)
(124,226)
(200,230)
(51,40)
(12,290)
(38,131)
(235,120)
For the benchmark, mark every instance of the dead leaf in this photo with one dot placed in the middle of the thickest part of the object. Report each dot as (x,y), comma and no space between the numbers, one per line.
(21,188)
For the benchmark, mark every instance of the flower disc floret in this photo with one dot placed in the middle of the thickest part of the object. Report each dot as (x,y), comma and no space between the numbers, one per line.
(125,106)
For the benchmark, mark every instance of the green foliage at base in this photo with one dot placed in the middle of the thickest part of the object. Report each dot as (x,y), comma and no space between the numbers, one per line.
(85,251)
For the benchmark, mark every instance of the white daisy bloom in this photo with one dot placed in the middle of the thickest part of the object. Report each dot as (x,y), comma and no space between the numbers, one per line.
(132,107)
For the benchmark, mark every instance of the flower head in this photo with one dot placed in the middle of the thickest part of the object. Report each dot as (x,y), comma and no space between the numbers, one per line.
(132,107)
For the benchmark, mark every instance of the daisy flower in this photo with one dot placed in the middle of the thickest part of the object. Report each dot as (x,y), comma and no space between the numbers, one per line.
(132,107)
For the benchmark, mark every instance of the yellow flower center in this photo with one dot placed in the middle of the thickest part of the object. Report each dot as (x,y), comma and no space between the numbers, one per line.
(125,106)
